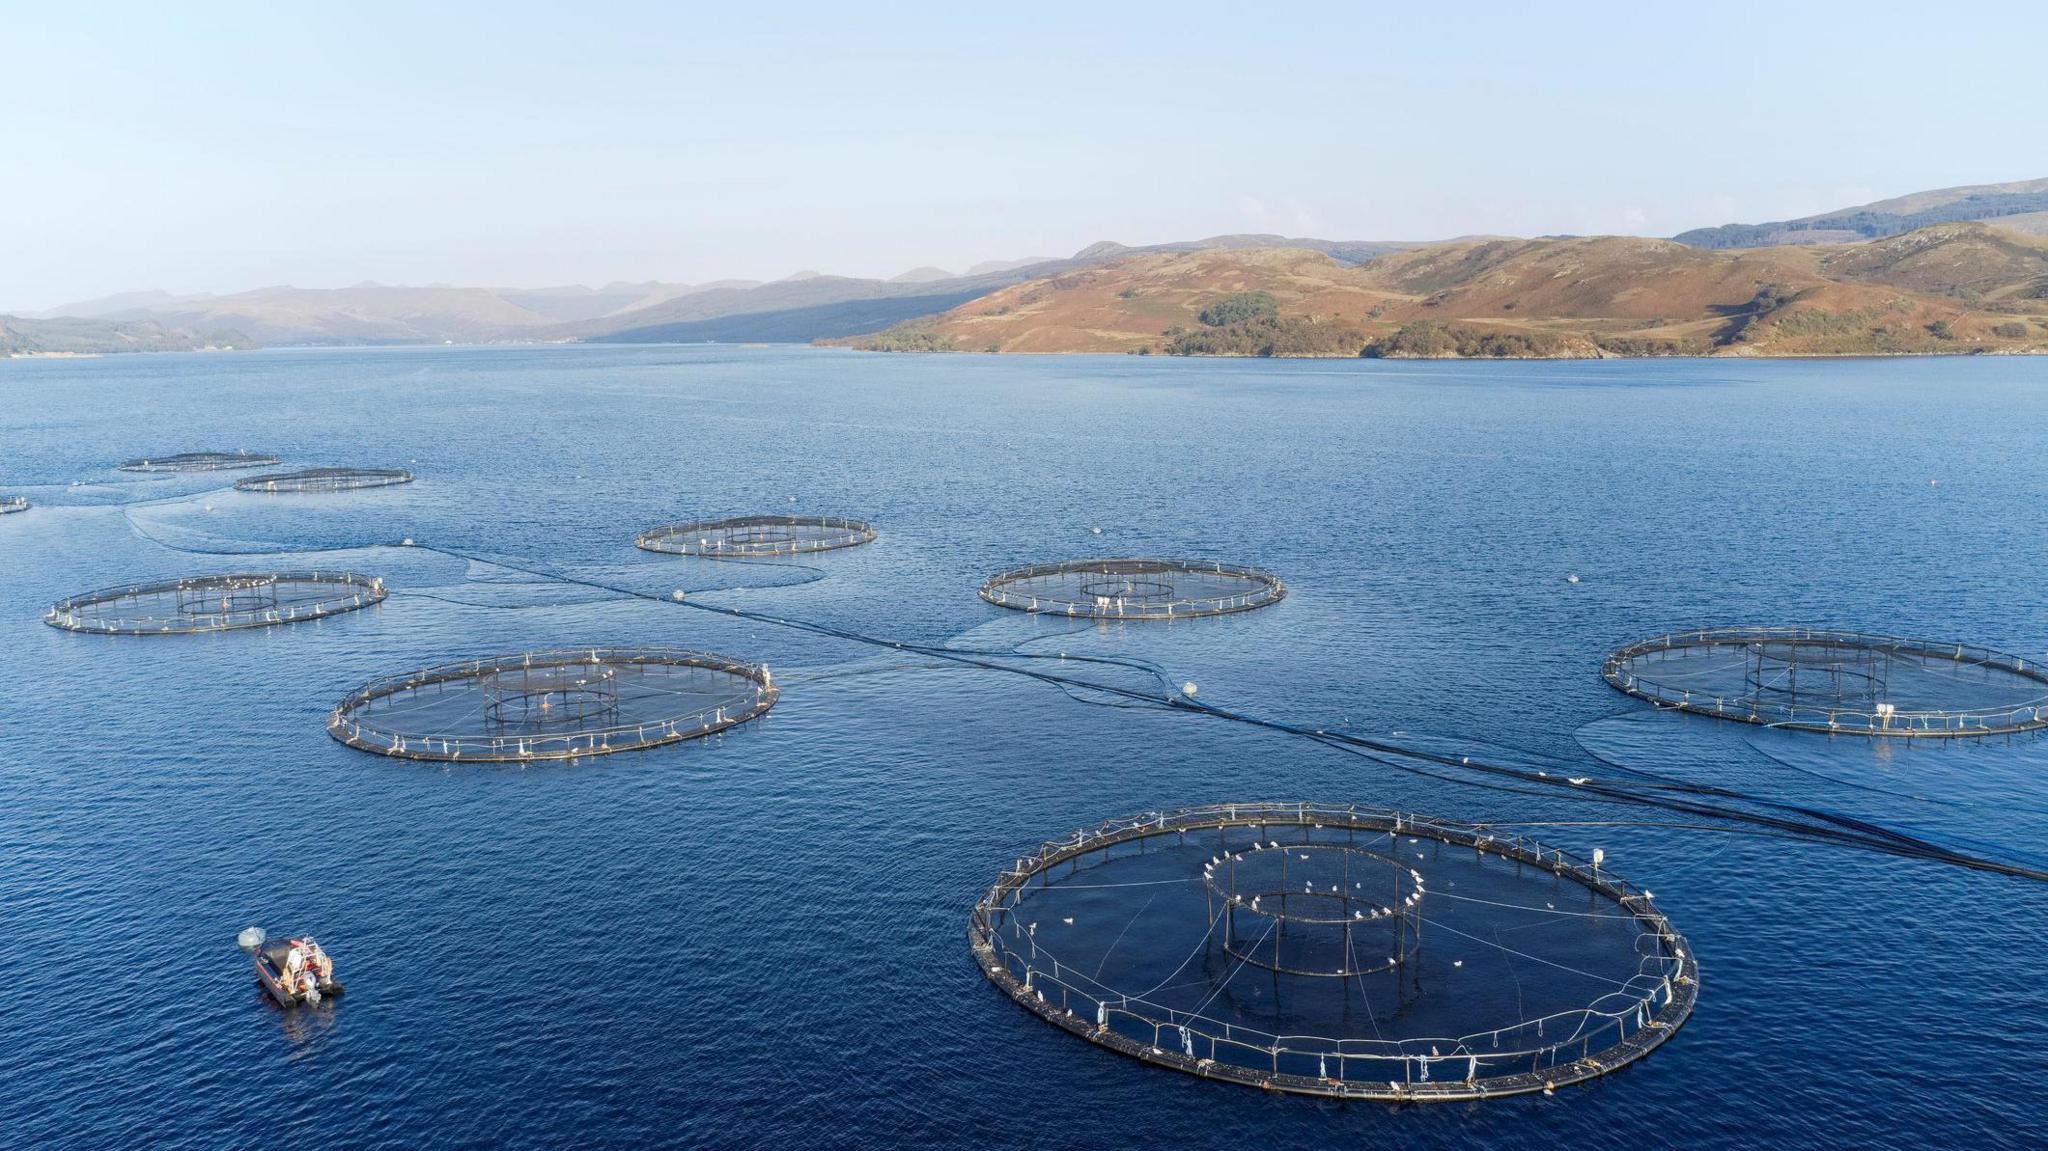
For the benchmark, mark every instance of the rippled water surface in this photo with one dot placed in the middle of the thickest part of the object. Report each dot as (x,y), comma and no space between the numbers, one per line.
(760,937)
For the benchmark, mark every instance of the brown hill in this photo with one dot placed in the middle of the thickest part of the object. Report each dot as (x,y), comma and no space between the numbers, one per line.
(1949,288)
(1971,261)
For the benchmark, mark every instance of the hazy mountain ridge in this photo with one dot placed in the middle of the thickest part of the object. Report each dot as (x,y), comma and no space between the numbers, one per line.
(804,306)
(2020,206)
(380,314)
(1950,288)
(810,306)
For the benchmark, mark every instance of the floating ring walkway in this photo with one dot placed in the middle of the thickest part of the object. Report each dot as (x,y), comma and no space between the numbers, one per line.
(1840,682)
(215,603)
(543,705)
(1132,588)
(755,537)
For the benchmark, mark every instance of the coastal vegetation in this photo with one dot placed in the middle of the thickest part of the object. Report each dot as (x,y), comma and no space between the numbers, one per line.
(911,336)
(1250,324)
(1428,339)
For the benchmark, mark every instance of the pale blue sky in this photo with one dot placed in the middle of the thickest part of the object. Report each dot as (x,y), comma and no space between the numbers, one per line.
(228,147)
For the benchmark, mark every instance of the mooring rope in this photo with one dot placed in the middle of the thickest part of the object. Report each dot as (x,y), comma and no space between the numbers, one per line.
(1834,827)
(1679,796)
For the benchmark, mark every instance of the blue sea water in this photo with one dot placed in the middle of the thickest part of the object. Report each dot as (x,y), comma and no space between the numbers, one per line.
(760,937)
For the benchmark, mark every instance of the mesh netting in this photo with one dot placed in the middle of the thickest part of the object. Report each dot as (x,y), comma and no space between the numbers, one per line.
(1835,681)
(1134,588)
(552,705)
(325,480)
(753,537)
(200,462)
(1337,950)
(13,504)
(215,603)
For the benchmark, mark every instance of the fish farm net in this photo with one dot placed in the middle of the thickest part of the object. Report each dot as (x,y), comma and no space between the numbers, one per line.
(200,462)
(1134,588)
(325,480)
(215,603)
(552,705)
(1835,681)
(1337,950)
(9,504)
(755,537)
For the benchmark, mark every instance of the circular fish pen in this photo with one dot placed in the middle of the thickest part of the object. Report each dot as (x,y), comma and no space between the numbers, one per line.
(1835,681)
(552,705)
(325,480)
(1337,950)
(755,537)
(12,504)
(1134,588)
(215,603)
(200,462)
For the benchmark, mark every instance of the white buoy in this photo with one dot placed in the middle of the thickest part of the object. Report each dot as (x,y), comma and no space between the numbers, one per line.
(250,939)
(1573,578)
(408,542)
(677,595)
(1188,689)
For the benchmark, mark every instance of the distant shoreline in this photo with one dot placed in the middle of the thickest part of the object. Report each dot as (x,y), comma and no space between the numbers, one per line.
(1959,353)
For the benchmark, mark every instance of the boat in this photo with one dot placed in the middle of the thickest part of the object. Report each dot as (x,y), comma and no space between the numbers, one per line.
(295,970)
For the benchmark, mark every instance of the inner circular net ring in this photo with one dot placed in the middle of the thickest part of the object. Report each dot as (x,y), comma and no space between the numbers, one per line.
(1315,909)
(215,602)
(551,698)
(1100,933)
(1134,588)
(229,595)
(200,462)
(755,537)
(1841,675)
(1835,681)
(1128,589)
(316,480)
(546,705)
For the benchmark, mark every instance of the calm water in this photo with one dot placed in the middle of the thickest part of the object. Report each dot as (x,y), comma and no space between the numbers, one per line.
(760,937)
